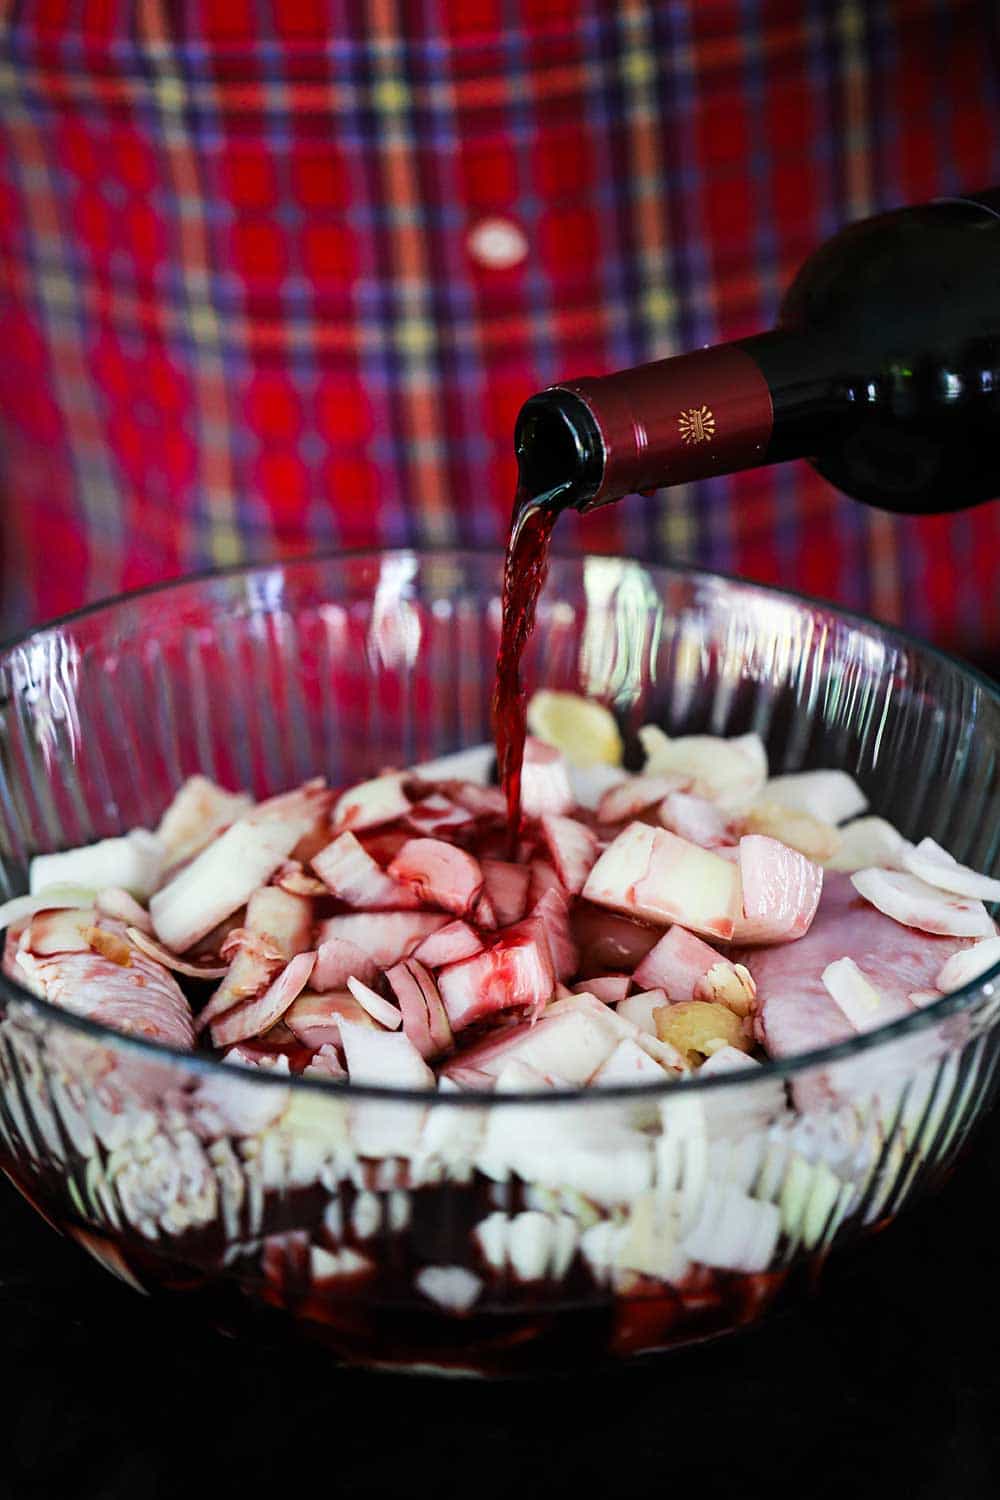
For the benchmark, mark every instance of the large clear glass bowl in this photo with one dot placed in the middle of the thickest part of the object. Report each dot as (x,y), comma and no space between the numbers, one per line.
(476,1233)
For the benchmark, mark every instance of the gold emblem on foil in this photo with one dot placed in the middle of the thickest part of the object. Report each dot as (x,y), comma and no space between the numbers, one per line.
(697,424)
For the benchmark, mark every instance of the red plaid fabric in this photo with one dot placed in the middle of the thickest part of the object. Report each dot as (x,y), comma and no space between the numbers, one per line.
(277,274)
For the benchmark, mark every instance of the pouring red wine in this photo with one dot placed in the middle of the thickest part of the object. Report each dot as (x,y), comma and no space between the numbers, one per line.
(702,916)
(883,371)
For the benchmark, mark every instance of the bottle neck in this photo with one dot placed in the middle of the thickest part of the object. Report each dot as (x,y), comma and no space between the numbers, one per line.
(734,406)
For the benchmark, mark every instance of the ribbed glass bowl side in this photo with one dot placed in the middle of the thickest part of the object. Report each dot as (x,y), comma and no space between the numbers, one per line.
(493,1235)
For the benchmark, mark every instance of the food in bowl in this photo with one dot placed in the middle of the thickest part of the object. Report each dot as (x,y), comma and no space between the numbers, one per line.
(524,1222)
(636,927)
(694,917)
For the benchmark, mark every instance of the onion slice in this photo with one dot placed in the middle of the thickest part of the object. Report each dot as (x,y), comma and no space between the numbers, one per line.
(62,897)
(380,1010)
(161,955)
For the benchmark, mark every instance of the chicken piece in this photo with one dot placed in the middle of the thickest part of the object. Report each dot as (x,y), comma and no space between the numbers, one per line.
(140,998)
(796,1013)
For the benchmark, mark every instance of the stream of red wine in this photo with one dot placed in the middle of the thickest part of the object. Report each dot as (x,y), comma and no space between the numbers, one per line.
(525,570)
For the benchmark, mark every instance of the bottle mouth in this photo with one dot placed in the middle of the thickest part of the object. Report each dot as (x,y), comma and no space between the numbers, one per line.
(559,447)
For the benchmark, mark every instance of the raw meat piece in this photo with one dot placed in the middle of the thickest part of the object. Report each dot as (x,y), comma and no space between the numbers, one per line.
(140,998)
(795,1011)
(858,998)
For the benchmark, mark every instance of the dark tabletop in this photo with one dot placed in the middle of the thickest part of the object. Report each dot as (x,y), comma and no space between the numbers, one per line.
(885,1385)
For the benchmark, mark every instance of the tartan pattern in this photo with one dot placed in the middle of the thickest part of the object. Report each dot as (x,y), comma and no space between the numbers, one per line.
(239,316)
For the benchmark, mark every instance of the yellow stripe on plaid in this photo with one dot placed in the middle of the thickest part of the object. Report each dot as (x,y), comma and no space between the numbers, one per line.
(217,532)
(55,289)
(411,331)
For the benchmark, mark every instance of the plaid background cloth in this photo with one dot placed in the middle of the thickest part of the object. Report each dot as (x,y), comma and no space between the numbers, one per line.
(277,274)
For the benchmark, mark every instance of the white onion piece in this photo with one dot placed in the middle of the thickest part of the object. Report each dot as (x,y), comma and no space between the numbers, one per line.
(854,994)
(380,1010)
(966,965)
(928,861)
(155,950)
(473,764)
(914,903)
(52,898)
(134,861)
(730,772)
(833,796)
(114,901)
(868,841)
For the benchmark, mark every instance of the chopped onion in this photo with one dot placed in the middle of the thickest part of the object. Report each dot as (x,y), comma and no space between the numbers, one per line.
(155,950)
(380,1010)
(929,862)
(52,898)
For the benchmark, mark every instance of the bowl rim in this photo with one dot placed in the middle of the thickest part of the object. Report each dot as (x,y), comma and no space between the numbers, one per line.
(781,1069)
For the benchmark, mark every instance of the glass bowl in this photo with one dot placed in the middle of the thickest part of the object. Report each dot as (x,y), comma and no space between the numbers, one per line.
(474,1233)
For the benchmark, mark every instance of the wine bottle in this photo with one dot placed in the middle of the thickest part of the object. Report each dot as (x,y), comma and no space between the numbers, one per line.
(883,371)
